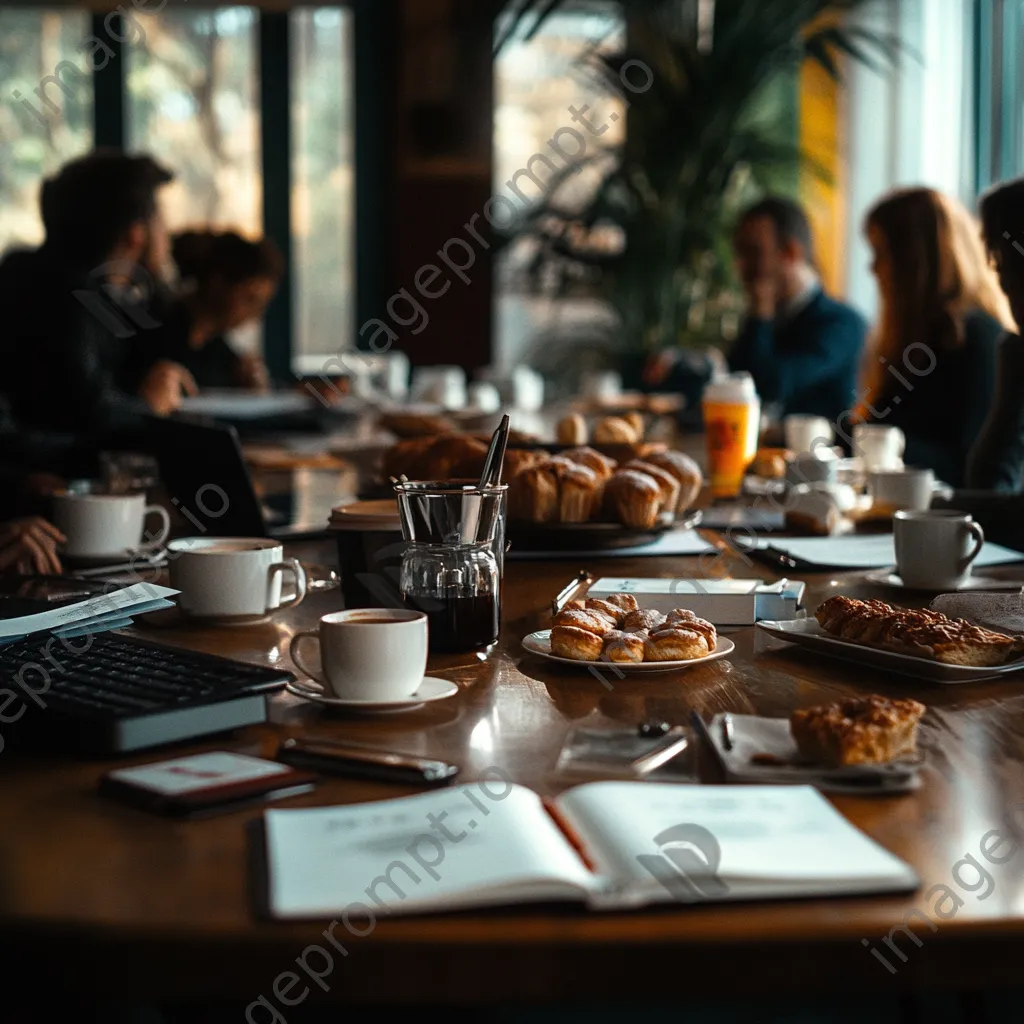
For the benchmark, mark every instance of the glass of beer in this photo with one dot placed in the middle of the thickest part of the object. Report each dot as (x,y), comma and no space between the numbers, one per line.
(732,423)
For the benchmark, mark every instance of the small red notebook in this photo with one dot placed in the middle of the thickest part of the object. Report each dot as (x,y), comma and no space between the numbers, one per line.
(204,783)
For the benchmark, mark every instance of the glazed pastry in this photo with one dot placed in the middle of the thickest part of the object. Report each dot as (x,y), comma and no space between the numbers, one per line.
(571,429)
(688,620)
(857,730)
(533,494)
(589,619)
(615,430)
(593,460)
(685,470)
(517,459)
(643,619)
(619,646)
(578,644)
(675,644)
(606,608)
(667,483)
(636,421)
(633,498)
(579,491)
(627,602)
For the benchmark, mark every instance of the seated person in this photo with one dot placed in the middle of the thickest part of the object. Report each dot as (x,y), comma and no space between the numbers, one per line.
(79,337)
(933,366)
(228,281)
(997,459)
(29,547)
(802,347)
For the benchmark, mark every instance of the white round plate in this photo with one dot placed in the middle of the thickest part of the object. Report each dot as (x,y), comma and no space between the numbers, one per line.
(889,578)
(540,643)
(430,689)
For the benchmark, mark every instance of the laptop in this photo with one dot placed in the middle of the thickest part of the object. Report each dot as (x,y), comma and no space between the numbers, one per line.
(208,481)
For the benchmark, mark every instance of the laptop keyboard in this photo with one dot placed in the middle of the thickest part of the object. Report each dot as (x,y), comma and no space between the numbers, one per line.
(121,677)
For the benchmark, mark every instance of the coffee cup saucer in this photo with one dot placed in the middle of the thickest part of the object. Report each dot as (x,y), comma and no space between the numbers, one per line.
(890,578)
(430,689)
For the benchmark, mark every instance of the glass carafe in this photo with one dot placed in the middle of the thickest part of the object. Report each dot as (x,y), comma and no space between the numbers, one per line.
(451,568)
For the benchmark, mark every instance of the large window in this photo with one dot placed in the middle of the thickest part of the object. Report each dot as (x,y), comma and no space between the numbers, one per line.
(323,185)
(193,104)
(45,110)
(535,83)
(1000,91)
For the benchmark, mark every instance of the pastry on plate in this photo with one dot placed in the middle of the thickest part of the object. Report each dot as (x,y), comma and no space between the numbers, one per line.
(606,608)
(857,730)
(684,617)
(643,620)
(579,491)
(585,618)
(592,459)
(627,602)
(533,494)
(576,643)
(571,429)
(633,498)
(615,430)
(918,632)
(623,647)
(668,485)
(684,469)
(771,463)
(636,421)
(675,643)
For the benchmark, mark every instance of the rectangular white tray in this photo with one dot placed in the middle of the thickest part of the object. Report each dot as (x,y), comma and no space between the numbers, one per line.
(808,634)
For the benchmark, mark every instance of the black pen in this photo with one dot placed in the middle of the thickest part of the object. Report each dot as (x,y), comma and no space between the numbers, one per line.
(728,737)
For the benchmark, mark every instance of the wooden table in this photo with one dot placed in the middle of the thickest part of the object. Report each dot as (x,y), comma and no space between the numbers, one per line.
(114,900)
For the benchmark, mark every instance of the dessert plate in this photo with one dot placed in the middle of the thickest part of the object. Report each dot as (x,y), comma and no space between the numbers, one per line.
(539,643)
(809,634)
(890,578)
(430,690)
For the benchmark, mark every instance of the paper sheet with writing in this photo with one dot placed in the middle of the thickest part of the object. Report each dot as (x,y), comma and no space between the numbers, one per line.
(869,551)
(91,611)
(445,849)
(757,841)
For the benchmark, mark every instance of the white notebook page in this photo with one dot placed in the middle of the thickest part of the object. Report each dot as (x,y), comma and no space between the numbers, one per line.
(324,860)
(771,839)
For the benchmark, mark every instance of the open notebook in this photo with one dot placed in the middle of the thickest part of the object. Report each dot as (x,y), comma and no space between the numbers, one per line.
(610,845)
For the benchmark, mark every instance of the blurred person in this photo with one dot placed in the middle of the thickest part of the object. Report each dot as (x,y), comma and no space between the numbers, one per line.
(29,546)
(802,347)
(80,313)
(997,459)
(227,283)
(932,364)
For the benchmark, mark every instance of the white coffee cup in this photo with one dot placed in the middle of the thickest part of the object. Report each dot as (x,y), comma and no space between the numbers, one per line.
(369,654)
(601,385)
(807,433)
(904,488)
(440,385)
(235,578)
(107,525)
(935,548)
(881,447)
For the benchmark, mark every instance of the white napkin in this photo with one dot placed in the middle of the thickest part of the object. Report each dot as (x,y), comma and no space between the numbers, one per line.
(755,735)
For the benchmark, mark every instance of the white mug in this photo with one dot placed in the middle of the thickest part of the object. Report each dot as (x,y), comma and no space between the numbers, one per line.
(107,525)
(601,385)
(368,654)
(880,447)
(440,385)
(232,577)
(905,488)
(807,433)
(935,549)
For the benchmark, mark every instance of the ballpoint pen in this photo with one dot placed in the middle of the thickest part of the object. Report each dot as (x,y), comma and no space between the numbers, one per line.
(728,736)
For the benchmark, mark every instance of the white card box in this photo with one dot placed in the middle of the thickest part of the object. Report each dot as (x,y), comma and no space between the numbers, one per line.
(727,602)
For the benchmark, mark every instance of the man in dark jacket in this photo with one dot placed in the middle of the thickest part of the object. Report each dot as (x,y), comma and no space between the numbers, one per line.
(78,321)
(802,348)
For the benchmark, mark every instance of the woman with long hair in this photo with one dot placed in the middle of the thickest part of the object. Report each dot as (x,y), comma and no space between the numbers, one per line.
(932,363)
(226,281)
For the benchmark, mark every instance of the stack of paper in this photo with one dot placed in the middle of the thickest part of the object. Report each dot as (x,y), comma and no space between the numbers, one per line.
(90,615)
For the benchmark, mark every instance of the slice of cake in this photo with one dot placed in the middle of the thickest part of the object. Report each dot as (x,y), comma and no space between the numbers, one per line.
(857,730)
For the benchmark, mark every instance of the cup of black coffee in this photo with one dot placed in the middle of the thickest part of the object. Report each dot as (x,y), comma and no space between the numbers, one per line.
(370,549)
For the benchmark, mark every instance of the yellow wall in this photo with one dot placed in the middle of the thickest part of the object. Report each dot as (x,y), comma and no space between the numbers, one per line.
(821,137)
